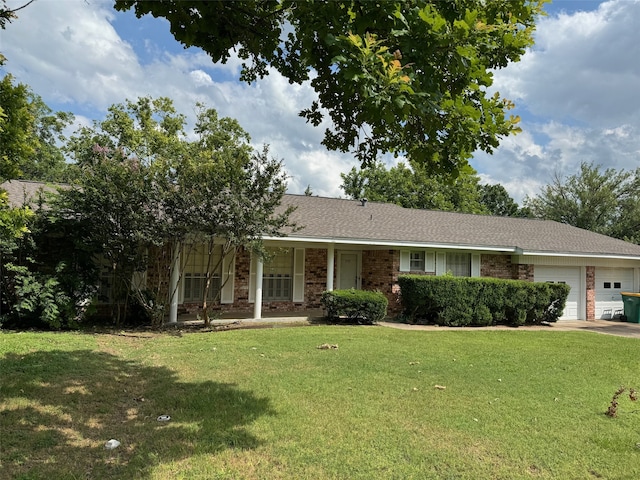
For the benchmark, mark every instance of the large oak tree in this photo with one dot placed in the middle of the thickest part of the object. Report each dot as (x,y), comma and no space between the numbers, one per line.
(403,76)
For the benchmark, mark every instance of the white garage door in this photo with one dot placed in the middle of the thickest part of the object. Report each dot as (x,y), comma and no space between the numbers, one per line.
(568,275)
(609,283)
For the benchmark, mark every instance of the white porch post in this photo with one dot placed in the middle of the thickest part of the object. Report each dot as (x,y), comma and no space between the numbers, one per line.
(330,260)
(257,306)
(173,283)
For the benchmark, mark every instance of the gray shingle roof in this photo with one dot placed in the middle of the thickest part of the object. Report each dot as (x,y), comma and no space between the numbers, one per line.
(27,192)
(348,221)
(340,220)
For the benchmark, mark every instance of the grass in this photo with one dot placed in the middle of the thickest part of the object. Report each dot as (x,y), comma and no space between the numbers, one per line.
(267,404)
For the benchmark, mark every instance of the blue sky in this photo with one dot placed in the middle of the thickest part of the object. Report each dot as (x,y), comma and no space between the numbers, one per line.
(576,89)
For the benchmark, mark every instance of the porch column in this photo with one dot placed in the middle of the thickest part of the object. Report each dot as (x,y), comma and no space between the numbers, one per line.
(257,306)
(330,260)
(173,283)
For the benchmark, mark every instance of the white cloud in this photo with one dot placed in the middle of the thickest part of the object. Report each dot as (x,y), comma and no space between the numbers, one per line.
(576,90)
(577,93)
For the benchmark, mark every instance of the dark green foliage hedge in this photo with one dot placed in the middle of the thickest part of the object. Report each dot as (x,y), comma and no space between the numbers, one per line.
(358,306)
(462,301)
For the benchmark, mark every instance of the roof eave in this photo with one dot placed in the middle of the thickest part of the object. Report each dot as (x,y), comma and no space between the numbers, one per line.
(394,243)
(541,253)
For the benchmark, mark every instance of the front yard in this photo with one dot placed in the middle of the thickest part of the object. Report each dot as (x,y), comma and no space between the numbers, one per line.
(268,404)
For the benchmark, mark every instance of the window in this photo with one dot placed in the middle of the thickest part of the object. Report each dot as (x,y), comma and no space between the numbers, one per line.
(617,285)
(277,280)
(459,264)
(416,261)
(195,273)
(607,284)
(105,284)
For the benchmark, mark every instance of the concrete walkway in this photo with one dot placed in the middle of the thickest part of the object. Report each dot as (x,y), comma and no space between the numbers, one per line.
(235,320)
(609,327)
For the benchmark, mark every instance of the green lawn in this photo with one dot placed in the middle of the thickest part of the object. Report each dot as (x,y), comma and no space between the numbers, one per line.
(267,404)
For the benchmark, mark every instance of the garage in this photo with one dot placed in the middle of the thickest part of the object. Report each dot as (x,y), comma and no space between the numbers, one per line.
(609,283)
(568,275)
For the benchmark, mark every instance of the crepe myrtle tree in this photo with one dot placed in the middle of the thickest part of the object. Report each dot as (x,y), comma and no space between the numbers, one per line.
(144,183)
(225,195)
(409,77)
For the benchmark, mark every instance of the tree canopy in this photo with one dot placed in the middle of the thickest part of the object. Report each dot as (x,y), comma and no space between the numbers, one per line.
(143,183)
(603,201)
(407,77)
(498,202)
(415,188)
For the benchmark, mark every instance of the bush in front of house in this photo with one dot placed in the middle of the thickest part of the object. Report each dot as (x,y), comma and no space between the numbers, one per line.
(355,306)
(461,301)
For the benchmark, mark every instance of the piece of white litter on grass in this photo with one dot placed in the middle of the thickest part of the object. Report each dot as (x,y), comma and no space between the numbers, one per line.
(440,387)
(163,418)
(111,444)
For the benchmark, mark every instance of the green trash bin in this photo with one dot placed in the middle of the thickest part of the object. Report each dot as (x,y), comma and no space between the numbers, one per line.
(631,306)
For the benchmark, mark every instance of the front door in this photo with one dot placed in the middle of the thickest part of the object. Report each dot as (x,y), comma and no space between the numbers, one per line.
(349,270)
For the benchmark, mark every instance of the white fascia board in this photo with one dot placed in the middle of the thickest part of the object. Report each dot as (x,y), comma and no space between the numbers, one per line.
(577,255)
(396,244)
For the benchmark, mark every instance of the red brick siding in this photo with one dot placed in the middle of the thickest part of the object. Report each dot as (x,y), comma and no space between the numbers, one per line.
(500,266)
(380,269)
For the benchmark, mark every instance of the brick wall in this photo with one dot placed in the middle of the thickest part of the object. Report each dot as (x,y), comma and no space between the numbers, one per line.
(315,276)
(501,266)
(380,269)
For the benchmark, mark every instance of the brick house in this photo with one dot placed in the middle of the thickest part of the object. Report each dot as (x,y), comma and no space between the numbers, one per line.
(366,245)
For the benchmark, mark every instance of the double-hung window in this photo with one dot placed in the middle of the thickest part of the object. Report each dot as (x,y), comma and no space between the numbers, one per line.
(416,261)
(459,264)
(277,281)
(198,262)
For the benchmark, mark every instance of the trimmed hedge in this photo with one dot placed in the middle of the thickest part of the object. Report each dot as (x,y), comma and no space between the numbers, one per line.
(463,301)
(357,306)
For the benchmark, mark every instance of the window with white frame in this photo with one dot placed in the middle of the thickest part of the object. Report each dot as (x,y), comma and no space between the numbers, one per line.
(198,261)
(277,280)
(416,261)
(459,264)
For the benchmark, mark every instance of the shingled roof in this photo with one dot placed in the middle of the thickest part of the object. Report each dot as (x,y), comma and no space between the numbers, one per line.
(27,192)
(342,221)
(352,222)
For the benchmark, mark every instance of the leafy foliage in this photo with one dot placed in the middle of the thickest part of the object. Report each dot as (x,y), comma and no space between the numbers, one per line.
(408,77)
(606,202)
(498,202)
(143,184)
(29,132)
(361,306)
(414,188)
(461,301)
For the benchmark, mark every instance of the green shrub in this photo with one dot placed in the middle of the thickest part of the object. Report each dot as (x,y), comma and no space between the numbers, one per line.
(461,301)
(359,306)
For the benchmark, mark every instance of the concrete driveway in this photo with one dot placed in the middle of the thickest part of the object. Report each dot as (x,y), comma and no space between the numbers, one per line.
(608,327)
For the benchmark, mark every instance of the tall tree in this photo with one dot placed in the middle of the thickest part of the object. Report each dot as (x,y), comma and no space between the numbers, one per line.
(408,77)
(30,133)
(145,184)
(498,201)
(606,202)
(226,195)
(414,188)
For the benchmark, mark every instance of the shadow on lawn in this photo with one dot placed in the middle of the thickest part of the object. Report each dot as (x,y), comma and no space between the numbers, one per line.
(59,408)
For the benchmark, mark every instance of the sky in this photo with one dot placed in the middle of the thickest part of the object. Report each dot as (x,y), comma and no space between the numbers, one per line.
(577,89)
